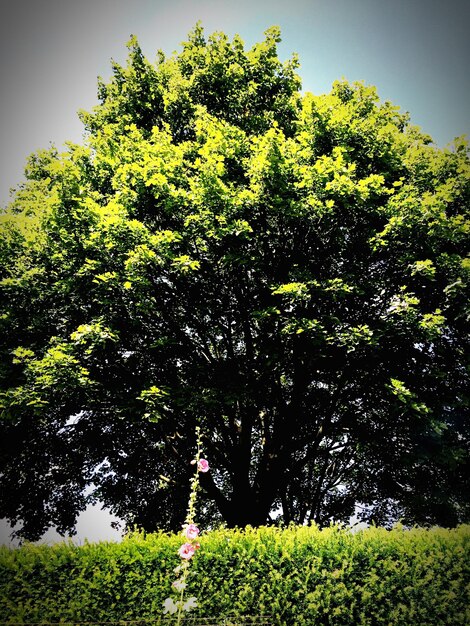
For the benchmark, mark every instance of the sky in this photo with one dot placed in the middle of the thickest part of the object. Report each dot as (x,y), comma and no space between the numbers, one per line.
(416,52)
(51,51)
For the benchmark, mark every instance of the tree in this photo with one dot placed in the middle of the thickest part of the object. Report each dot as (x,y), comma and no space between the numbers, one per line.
(287,271)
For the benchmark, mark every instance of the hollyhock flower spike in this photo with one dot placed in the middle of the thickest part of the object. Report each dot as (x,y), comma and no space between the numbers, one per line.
(188,549)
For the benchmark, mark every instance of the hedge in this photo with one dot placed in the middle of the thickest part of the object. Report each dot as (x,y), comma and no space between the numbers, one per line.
(301,576)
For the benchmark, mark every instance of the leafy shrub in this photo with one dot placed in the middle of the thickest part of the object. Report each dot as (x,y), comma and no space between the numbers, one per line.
(301,576)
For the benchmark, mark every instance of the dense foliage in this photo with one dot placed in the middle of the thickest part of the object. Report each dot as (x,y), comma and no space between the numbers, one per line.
(286,270)
(300,576)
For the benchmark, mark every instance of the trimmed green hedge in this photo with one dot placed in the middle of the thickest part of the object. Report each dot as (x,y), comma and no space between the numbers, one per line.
(302,576)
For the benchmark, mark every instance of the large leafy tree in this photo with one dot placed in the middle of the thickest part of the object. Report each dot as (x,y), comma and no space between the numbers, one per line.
(286,270)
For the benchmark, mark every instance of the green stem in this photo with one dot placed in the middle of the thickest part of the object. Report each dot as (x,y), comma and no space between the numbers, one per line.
(191,512)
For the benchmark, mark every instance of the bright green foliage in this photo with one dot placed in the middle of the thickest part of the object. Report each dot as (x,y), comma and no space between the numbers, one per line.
(300,576)
(289,271)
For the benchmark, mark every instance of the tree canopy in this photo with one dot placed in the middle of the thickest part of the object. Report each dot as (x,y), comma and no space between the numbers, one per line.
(286,270)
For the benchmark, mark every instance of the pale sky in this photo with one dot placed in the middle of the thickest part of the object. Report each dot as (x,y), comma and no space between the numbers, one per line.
(51,51)
(415,51)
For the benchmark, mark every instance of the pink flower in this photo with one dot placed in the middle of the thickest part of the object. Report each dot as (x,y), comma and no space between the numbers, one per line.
(203,465)
(169,606)
(191,531)
(179,585)
(186,551)
(191,603)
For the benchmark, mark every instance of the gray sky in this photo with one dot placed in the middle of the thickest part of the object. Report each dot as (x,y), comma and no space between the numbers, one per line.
(415,51)
(51,51)
(93,525)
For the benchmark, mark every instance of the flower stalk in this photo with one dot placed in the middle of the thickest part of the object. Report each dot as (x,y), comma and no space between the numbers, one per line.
(191,545)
